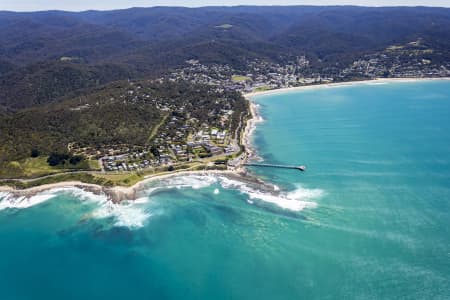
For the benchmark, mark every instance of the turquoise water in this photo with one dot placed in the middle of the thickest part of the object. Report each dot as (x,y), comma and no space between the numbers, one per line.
(370,219)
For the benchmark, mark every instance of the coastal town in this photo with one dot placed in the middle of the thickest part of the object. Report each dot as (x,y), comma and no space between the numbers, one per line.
(182,139)
(190,132)
(412,60)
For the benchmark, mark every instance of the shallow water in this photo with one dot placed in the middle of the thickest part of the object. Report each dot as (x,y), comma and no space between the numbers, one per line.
(369,219)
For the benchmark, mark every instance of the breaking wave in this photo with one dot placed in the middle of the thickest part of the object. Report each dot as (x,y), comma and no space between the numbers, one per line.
(8,200)
(187,181)
(131,214)
(296,200)
(128,214)
(134,214)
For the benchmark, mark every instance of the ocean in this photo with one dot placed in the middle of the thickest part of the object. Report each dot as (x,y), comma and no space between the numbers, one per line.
(369,219)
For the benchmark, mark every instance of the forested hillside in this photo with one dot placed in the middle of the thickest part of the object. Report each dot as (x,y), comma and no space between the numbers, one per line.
(46,56)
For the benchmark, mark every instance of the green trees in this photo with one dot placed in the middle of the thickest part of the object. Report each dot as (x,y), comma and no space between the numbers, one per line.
(76,159)
(154,151)
(35,153)
(55,159)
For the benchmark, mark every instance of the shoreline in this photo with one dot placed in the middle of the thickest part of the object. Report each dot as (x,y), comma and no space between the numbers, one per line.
(119,193)
(342,84)
(250,127)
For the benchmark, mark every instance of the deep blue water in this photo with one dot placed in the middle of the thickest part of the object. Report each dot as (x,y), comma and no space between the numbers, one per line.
(376,223)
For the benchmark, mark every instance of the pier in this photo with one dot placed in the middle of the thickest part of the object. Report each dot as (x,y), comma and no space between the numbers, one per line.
(300,168)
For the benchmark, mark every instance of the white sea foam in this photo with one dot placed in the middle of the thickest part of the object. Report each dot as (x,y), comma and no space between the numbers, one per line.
(296,200)
(135,213)
(141,200)
(132,215)
(8,200)
(283,201)
(82,195)
(189,181)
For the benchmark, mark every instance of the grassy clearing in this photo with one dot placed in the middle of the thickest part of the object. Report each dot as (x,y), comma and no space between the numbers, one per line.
(93,164)
(239,78)
(122,179)
(36,167)
(33,167)
(82,177)
(156,128)
(262,88)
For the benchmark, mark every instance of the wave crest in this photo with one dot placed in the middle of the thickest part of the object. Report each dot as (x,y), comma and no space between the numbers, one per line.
(129,214)
(134,214)
(8,200)
(296,200)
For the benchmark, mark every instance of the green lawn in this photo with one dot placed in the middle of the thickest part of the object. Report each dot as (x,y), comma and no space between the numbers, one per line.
(263,88)
(36,167)
(240,78)
(122,179)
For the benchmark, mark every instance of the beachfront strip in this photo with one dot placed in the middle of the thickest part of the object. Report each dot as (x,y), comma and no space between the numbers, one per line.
(411,60)
(190,133)
(202,146)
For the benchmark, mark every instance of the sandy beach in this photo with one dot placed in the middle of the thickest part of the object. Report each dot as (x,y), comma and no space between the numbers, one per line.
(250,127)
(340,84)
(64,184)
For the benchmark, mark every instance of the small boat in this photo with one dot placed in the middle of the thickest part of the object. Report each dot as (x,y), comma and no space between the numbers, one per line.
(302,168)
